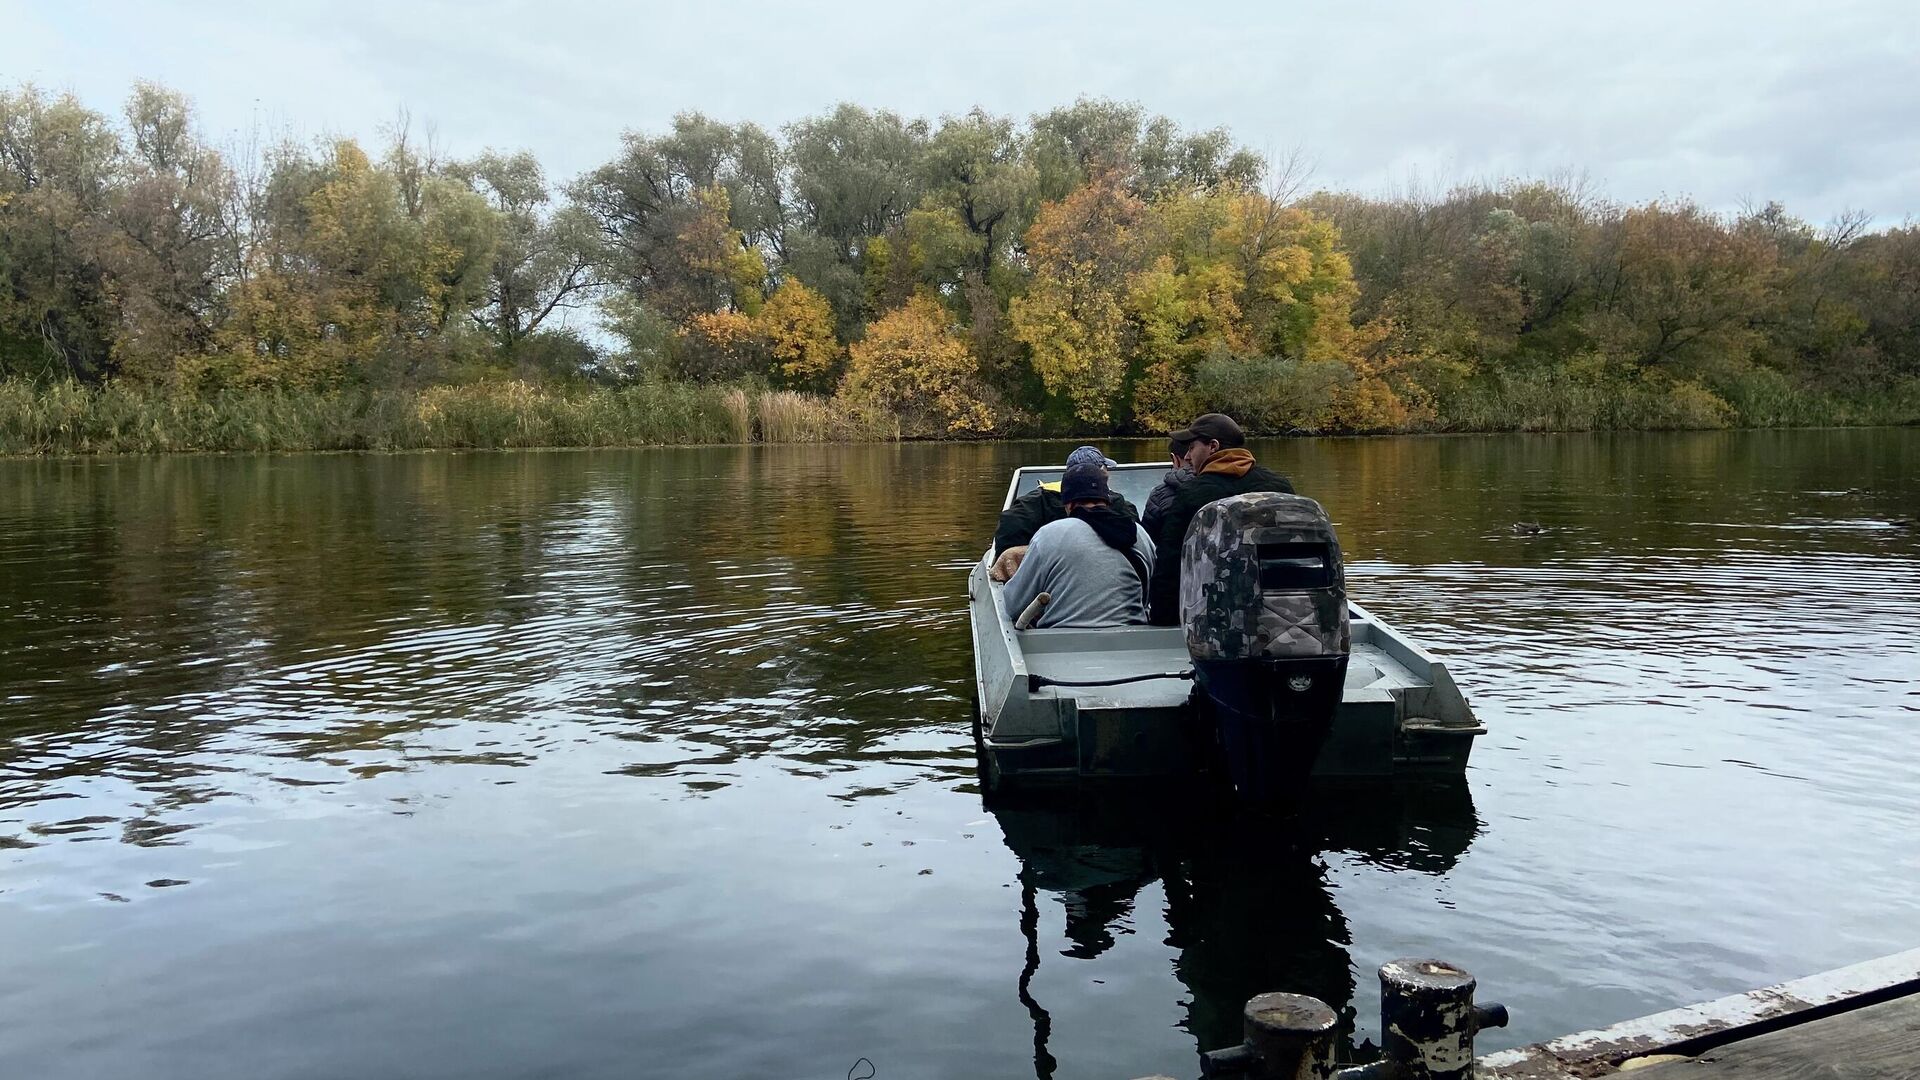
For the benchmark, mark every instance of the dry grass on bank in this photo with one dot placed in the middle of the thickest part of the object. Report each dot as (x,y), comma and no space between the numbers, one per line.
(67,418)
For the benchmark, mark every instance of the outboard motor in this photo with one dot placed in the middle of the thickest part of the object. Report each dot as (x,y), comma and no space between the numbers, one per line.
(1263,597)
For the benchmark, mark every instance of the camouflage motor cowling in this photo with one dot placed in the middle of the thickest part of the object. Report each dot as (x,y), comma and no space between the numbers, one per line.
(1261,577)
(1263,597)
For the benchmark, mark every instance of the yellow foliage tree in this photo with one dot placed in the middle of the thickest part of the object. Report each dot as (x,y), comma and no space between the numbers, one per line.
(1247,278)
(798,324)
(912,362)
(723,271)
(717,346)
(282,331)
(375,272)
(1084,252)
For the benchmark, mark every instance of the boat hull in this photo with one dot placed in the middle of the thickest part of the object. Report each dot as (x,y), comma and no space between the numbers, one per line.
(1399,714)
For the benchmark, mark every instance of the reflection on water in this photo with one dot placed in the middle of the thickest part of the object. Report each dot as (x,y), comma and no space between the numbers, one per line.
(1246,905)
(587,764)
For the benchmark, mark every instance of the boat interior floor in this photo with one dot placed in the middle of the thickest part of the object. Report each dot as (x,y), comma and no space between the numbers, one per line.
(1096,655)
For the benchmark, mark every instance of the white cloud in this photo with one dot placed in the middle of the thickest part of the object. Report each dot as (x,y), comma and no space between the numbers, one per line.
(1813,104)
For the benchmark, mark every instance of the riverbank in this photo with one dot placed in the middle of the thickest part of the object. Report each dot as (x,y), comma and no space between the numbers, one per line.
(67,418)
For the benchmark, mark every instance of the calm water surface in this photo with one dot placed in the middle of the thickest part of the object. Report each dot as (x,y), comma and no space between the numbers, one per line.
(656,763)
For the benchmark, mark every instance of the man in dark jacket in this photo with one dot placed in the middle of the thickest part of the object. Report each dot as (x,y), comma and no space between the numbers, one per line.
(1025,516)
(1161,497)
(1222,468)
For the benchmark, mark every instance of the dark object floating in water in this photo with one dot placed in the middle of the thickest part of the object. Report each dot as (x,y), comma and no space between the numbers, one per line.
(1528,528)
(165,883)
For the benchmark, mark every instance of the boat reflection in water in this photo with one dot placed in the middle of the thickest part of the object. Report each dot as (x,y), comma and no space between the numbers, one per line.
(1248,905)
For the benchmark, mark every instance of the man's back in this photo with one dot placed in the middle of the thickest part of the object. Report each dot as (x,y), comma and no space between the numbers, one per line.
(1161,497)
(1031,512)
(1228,473)
(1092,584)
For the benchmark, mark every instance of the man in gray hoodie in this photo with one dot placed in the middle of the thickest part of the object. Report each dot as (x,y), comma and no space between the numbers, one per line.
(1095,562)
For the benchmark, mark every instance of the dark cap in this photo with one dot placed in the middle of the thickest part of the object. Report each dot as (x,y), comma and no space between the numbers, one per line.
(1085,482)
(1212,427)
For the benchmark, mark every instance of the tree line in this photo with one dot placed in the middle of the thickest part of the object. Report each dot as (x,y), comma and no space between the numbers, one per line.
(1093,268)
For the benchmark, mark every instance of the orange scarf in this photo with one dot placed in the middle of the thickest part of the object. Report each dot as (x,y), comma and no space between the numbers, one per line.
(1234,462)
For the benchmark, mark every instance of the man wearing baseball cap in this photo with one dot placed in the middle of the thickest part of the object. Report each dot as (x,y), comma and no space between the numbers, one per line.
(1094,564)
(1223,467)
(1042,505)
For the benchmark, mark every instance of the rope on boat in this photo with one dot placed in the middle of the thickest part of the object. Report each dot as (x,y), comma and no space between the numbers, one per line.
(1035,682)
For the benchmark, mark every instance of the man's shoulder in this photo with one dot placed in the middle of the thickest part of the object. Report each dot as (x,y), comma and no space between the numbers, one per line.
(1266,479)
(1210,486)
(1035,498)
(1060,529)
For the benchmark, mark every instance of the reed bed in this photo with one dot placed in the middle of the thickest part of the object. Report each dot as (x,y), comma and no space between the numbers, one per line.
(67,418)
(787,417)
(1755,398)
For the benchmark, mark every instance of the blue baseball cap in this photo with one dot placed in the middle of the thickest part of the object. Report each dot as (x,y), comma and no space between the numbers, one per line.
(1090,455)
(1085,482)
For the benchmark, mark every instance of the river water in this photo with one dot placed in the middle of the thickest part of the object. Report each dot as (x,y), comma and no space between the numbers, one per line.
(656,762)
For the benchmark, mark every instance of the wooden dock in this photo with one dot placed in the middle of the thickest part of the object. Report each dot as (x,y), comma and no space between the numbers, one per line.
(1874,1042)
(1856,1023)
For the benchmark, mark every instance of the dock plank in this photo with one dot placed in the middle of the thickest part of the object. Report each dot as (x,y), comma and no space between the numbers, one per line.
(1878,1042)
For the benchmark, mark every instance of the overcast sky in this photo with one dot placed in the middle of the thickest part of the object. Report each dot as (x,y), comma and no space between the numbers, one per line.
(1814,104)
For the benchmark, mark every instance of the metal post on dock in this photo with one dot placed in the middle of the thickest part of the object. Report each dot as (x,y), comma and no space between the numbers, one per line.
(1427,1024)
(1428,1019)
(1288,1037)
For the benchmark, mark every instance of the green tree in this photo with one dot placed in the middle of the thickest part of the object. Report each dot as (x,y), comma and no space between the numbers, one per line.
(978,175)
(544,259)
(666,206)
(57,160)
(856,173)
(168,249)
(1071,145)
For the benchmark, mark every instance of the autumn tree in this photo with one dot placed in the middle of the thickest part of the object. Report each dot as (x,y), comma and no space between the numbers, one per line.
(1890,297)
(798,325)
(166,248)
(371,273)
(1084,252)
(913,363)
(721,346)
(1681,289)
(686,220)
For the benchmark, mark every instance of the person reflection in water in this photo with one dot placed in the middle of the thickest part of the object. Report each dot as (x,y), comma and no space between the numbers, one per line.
(1094,563)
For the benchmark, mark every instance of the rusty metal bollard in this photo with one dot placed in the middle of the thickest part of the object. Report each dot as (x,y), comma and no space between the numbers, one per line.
(1288,1037)
(1427,1023)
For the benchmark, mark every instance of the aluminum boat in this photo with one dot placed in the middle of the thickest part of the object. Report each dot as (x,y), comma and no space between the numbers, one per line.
(1400,714)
